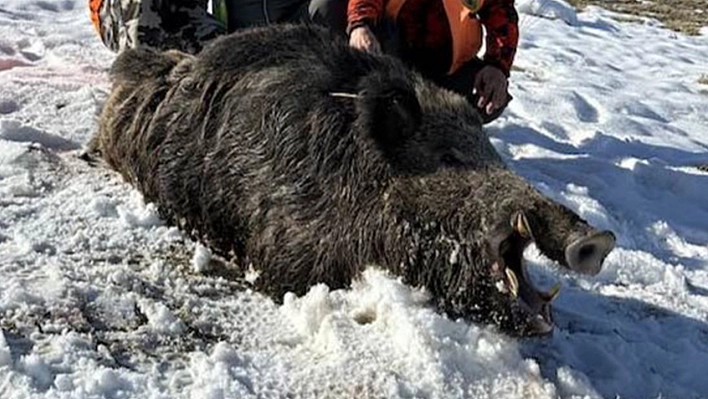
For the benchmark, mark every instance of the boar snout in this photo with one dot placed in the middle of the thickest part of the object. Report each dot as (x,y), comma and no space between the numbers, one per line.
(564,237)
(586,254)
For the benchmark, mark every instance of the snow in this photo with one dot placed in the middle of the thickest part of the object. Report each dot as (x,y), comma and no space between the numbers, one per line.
(551,9)
(201,258)
(99,298)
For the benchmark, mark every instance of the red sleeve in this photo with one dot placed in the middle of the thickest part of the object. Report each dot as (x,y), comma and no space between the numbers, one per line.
(364,12)
(501,22)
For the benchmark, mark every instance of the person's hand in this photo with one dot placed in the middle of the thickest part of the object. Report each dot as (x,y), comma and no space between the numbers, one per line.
(490,86)
(363,38)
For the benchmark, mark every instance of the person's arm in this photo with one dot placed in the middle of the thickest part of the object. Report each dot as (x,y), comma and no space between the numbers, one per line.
(364,13)
(501,22)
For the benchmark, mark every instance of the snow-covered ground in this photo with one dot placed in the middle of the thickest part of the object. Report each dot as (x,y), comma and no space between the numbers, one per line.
(99,299)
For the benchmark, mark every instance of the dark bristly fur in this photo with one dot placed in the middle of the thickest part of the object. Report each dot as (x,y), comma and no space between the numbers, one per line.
(245,147)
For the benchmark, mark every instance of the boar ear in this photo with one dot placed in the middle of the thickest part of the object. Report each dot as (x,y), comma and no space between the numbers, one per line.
(401,116)
(390,110)
(136,66)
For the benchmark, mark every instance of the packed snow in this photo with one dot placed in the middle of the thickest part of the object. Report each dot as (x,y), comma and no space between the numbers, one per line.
(99,298)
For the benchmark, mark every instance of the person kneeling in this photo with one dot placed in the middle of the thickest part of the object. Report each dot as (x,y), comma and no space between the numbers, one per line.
(441,39)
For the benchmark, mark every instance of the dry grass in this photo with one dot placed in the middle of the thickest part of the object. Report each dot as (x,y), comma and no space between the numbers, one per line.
(703,79)
(687,16)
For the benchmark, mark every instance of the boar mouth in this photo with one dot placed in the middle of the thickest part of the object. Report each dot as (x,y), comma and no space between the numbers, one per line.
(585,255)
(533,304)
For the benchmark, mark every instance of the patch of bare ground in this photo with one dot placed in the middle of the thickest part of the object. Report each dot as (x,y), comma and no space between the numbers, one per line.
(686,16)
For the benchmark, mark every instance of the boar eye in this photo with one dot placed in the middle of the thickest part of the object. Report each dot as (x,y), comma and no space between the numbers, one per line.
(396,101)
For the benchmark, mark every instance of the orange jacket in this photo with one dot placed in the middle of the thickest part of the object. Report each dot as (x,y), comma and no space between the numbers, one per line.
(95,11)
(498,17)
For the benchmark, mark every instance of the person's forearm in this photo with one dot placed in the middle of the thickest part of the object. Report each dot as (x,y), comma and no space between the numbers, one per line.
(364,13)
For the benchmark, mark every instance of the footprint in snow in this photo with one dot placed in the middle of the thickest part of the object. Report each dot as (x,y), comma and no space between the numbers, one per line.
(585,110)
(23,53)
(15,131)
(8,107)
(643,111)
(56,6)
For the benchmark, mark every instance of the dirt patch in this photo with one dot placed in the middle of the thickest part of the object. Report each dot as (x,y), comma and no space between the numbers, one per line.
(686,16)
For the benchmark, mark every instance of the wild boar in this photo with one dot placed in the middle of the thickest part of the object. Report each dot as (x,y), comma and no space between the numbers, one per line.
(307,160)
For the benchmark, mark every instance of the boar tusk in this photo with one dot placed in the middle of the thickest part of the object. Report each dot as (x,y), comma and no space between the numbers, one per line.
(552,293)
(513,282)
(520,224)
